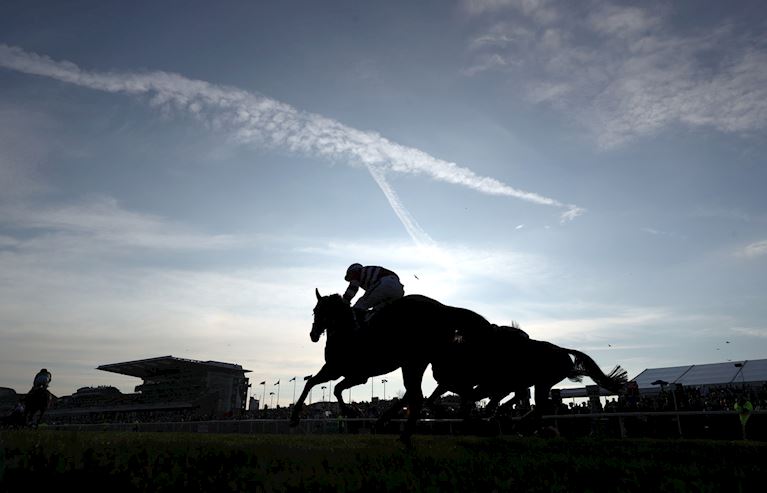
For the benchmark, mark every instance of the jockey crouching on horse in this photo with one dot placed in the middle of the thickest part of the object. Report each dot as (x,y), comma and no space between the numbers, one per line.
(381,287)
(42,379)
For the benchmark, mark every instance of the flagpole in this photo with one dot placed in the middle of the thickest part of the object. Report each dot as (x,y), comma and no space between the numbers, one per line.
(383,381)
(278,393)
(264,396)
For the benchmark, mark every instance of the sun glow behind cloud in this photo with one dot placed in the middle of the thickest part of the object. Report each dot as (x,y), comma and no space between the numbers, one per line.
(90,265)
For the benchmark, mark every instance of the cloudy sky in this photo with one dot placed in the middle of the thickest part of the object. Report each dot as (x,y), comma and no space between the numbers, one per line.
(176,178)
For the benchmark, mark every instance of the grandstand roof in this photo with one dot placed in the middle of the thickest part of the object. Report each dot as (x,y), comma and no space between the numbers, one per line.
(748,371)
(144,368)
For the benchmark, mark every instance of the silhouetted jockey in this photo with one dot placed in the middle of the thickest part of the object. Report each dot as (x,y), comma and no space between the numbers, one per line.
(42,379)
(381,287)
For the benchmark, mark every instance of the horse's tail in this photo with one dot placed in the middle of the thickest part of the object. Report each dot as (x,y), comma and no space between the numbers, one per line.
(584,365)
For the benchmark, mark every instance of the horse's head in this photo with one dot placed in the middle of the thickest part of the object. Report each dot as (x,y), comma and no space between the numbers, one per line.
(330,313)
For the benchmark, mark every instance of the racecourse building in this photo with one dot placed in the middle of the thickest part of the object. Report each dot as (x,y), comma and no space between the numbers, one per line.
(209,388)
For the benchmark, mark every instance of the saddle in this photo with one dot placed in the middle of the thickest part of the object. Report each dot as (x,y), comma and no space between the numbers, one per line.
(362,318)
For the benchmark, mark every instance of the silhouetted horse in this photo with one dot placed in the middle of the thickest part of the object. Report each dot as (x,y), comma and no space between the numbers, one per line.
(36,402)
(505,362)
(473,360)
(408,333)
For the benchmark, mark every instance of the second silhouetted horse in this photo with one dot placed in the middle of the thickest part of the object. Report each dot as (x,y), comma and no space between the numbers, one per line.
(506,360)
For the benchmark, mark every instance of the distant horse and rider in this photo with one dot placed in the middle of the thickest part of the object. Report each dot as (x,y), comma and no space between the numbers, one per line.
(31,408)
(385,331)
(38,399)
(36,402)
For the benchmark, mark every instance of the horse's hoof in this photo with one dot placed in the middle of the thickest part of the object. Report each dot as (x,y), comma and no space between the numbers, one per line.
(547,432)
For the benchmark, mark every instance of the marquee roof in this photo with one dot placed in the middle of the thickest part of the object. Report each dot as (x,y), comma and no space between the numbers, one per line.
(144,368)
(748,371)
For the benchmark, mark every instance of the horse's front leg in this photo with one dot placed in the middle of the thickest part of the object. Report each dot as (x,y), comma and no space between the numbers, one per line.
(344,384)
(324,375)
(392,411)
(412,376)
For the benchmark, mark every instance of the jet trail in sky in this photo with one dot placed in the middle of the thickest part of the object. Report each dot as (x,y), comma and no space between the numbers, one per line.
(419,236)
(254,118)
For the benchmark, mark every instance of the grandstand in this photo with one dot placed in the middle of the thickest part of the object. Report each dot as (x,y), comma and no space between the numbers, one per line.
(171,389)
(214,387)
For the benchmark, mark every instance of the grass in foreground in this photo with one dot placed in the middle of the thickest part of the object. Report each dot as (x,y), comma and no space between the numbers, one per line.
(172,462)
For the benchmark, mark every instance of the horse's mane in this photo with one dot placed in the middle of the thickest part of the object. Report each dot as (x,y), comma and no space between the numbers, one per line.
(335,298)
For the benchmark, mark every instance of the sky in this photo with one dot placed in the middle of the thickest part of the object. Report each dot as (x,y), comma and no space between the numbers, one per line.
(176,178)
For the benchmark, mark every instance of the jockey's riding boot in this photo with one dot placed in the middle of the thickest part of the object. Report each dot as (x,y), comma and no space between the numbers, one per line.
(359,317)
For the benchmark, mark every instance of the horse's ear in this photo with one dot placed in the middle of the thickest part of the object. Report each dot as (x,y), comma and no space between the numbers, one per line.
(317,292)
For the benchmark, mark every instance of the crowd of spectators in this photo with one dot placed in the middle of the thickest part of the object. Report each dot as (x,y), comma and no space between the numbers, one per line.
(669,398)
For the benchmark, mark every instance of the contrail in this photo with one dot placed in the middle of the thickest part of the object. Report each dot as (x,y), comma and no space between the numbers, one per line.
(419,236)
(254,118)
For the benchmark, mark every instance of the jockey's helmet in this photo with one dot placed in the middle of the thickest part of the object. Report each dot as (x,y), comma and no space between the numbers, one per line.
(351,270)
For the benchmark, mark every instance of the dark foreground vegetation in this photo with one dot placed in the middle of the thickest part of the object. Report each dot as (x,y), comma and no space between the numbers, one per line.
(90,461)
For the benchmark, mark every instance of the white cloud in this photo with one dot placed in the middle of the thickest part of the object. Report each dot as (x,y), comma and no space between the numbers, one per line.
(539,93)
(587,328)
(100,223)
(658,232)
(756,249)
(492,61)
(481,6)
(253,118)
(24,142)
(624,72)
(623,21)
(751,331)
(541,10)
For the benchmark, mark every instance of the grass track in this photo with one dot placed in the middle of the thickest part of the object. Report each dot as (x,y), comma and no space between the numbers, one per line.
(112,462)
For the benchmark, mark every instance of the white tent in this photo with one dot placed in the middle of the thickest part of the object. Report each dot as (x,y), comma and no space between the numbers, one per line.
(732,372)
